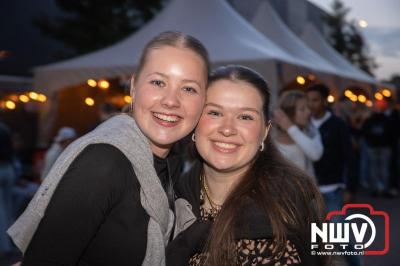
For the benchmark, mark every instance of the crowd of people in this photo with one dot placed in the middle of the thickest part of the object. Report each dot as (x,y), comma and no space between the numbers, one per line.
(258,175)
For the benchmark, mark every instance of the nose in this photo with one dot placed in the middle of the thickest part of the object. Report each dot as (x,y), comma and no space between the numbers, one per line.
(227,127)
(170,99)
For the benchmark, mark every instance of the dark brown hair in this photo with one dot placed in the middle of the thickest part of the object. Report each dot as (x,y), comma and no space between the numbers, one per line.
(288,197)
(175,39)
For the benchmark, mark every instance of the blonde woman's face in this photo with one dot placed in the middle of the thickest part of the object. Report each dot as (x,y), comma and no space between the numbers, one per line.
(302,113)
(232,126)
(169,96)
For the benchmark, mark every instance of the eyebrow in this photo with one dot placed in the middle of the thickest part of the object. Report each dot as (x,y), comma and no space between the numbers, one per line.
(166,76)
(242,109)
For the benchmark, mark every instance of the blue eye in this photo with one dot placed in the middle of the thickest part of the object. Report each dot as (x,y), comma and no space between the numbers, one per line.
(158,83)
(190,89)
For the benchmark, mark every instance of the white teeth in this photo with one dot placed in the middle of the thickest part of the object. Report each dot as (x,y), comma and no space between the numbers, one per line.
(168,118)
(225,145)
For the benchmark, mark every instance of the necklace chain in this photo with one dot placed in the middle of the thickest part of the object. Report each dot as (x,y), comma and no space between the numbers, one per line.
(214,206)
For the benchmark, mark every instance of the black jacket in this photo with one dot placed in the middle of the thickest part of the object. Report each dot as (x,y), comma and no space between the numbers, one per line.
(95,216)
(333,165)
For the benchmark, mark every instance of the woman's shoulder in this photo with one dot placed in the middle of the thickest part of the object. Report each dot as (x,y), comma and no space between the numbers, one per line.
(102,163)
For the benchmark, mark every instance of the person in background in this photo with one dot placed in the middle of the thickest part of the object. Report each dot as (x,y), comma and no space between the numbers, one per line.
(394,131)
(381,133)
(259,207)
(8,176)
(64,137)
(331,171)
(296,138)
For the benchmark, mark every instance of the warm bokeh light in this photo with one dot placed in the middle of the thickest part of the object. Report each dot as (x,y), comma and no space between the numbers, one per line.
(378,96)
(331,99)
(103,84)
(353,98)
(362,23)
(301,80)
(10,105)
(369,103)
(348,93)
(128,99)
(14,98)
(33,95)
(386,93)
(362,98)
(23,98)
(91,82)
(89,101)
(42,98)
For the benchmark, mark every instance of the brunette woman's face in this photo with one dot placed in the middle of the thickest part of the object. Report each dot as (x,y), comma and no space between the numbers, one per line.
(302,113)
(168,96)
(232,126)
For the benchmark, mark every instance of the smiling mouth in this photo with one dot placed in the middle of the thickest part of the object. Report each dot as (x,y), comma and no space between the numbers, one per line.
(167,118)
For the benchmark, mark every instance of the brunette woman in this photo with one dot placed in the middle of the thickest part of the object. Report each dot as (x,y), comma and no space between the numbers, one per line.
(259,207)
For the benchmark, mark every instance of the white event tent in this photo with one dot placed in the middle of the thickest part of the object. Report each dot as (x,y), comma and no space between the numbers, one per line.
(331,67)
(314,39)
(228,37)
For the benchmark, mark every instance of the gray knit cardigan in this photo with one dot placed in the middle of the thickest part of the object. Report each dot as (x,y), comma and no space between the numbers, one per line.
(122,132)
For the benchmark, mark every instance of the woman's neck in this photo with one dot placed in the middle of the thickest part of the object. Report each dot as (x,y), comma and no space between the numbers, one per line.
(220,184)
(159,150)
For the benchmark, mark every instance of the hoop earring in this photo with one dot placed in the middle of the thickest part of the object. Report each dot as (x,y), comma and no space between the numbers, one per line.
(262,146)
(193,138)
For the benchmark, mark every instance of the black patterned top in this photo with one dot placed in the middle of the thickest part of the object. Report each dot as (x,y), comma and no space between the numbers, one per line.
(250,251)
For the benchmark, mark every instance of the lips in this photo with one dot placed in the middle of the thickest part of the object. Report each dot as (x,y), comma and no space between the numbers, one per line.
(167,120)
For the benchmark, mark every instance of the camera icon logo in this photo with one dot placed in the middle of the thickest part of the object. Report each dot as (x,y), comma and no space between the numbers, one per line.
(354,228)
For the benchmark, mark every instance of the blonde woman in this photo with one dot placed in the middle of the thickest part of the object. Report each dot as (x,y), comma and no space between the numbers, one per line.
(296,138)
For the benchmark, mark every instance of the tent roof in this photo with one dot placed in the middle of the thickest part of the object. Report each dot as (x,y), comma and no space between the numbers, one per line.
(227,36)
(314,39)
(268,22)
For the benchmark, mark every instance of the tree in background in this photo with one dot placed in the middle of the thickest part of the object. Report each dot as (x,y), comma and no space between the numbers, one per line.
(88,25)
(346,38)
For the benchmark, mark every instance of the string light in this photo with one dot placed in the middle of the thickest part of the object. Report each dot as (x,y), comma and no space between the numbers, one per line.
(33,95)
(128,99)
(386,93)
(23,98)
(103,84)
(362,98)
(89,101)
(331,99)
(348,93)
(91,83)
(378,96)
(10,105)
(353,98)
(300,80)
(369,103)
(42,98)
